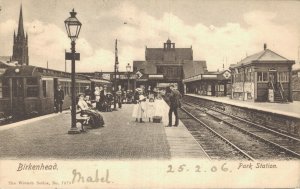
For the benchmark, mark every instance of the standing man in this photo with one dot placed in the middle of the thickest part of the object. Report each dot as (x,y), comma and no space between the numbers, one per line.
(59,99)
(174,97)
(119,95)
(87,91)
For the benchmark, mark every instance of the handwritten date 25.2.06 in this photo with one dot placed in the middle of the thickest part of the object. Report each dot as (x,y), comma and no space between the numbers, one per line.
(197,168)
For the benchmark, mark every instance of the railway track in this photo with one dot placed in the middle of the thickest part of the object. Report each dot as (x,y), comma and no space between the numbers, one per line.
(214,145)
(278,145)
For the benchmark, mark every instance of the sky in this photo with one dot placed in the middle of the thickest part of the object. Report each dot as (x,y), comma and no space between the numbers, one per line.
(220,32)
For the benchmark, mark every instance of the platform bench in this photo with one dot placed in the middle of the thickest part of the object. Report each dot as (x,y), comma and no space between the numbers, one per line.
(82,119)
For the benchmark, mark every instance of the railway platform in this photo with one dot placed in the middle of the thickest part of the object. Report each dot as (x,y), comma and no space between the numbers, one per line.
(122,138)
(281,117)
(290,109)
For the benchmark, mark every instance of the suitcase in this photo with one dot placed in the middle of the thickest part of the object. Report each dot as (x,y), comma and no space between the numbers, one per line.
(157,119)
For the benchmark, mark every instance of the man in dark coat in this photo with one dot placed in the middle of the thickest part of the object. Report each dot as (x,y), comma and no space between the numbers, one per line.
(87,91)
(119,95)
(174,100)
(59,99)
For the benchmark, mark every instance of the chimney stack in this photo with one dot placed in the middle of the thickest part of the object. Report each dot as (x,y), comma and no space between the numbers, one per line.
(265,46)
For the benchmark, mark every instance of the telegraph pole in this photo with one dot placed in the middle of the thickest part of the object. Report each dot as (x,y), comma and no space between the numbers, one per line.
(115,74)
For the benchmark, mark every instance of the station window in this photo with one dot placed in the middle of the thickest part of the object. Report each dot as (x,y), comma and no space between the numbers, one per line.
(248,75)
(45,88)
(283,76)
(221,87)
(262,76)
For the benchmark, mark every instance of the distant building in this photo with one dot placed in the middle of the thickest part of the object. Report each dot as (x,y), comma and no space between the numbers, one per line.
(209,83)
(264,76)
(166,65)
(20,47)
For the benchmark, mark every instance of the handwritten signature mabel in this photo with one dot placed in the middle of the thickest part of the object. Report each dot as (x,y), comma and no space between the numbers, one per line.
(79,178)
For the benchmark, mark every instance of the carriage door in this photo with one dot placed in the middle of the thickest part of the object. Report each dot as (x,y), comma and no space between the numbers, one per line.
(18,103)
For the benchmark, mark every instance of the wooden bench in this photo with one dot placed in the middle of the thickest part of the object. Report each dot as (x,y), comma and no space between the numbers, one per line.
(83,119)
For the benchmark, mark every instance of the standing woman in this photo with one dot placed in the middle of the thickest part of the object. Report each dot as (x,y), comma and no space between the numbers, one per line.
(97,97)
(142,111)
(135,112)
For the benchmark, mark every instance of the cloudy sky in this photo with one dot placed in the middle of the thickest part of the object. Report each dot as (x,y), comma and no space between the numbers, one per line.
(218,31)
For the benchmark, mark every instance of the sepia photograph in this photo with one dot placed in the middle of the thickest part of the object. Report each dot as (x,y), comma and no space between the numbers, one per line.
(149,94)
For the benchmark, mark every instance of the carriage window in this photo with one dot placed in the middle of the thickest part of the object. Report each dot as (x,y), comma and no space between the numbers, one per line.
(1,93)
(17,87)
(4,91)
(65,87)
(32,87)
(32,91)
(31,81)
(44,88)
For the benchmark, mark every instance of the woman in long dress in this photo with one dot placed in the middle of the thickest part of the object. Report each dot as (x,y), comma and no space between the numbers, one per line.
(96,119)
(140,108)
(97,98)
(136,104)
(142,111)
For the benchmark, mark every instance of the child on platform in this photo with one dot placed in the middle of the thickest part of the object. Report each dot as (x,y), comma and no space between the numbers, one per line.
(151,108)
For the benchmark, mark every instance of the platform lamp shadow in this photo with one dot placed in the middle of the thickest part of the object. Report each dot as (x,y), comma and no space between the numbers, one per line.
(73,26)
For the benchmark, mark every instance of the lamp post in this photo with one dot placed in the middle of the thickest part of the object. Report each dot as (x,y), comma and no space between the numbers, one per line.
(73,27)
(128,68)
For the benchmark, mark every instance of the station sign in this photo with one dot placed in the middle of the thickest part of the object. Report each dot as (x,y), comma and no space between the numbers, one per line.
(156,76)
(139,74)
(69,56)
(226,74)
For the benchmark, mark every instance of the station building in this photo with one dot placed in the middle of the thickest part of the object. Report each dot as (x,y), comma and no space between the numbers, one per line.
(209,83)
(163,66)
(262,77)
(127,80)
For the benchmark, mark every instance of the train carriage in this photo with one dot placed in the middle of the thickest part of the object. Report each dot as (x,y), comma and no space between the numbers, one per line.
(29,91)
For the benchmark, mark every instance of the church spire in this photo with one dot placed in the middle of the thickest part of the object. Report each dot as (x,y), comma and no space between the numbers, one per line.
(21,27)
(20,47)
